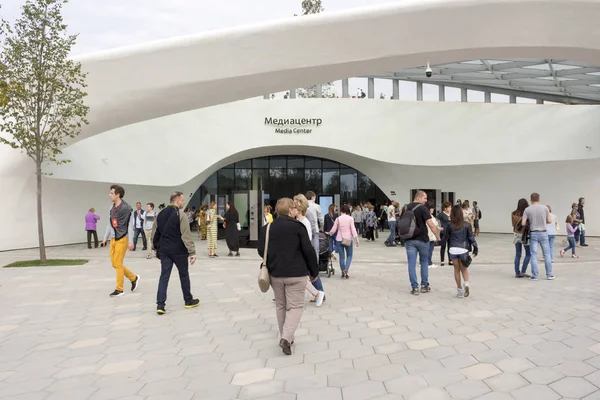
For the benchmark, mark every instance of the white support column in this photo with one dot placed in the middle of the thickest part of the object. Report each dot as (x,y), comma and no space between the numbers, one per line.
(396,89)
(371,88)
(442,93)
(513,99)
(345,88)
(488,96)
(419,91)
(463,95)
(319,91)
(293,93)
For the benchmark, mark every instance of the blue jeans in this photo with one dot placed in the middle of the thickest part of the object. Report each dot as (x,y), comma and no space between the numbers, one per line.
(518,252)
(390,239)
(414,247)
(571,245)
(431,247)
(551,239)
(540,239)
(581,236)
(332,244)
(345,253)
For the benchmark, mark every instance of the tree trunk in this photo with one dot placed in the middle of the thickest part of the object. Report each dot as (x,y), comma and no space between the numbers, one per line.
(38,175)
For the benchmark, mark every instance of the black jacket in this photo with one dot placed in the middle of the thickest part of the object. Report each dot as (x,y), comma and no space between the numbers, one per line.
(462,237)
(581,213)
(171,233)
(232,217)
(329,221)
(291,254)
(444,221)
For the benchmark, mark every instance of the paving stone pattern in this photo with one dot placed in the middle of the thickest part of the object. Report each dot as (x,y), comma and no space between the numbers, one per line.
(62,337)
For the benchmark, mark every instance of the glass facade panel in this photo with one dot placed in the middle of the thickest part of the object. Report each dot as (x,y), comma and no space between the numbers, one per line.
(314,180)
(331,181)
(278,162)
(226,178)
(348,185)
(295,181)
(313,162)
(330,164)
(260,162)
(244,164)
(243,179)
(295,162)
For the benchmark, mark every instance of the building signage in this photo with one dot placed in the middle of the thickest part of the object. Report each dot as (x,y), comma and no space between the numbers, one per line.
(290,126)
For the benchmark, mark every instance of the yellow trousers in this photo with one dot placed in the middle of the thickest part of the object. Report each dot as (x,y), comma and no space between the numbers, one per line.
(118,248)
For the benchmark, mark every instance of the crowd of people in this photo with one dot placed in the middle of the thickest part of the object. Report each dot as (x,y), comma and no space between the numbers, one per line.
(298,229)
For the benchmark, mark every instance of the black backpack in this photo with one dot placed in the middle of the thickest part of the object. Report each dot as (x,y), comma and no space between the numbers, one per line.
(407,224)
(479,216)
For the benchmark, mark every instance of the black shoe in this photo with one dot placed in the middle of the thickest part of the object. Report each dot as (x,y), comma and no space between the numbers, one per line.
(160,310)
(426,289)
(133,249)
(584,245)
(230,254)
(192,304)
(215,255)
(286,347)
(237,254)
(116,293)
(136,283)
(414,292)
(442,264)
(144,248)
(386,244)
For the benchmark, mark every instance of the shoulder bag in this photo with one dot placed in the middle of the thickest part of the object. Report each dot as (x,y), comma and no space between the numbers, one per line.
(264,279)
(346,242)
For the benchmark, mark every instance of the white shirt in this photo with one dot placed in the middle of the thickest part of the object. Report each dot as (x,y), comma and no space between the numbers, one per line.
(391,213)
(306,224)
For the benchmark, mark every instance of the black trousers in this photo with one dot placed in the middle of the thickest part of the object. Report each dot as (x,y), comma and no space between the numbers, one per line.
(89,239)
(371,232)
(182,264)
(138,232)
(443,250)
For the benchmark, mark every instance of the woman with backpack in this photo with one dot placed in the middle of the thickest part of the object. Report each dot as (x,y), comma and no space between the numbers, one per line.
(518,231)
(460,239)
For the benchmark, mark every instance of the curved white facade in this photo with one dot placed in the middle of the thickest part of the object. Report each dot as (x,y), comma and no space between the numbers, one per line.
(143,134)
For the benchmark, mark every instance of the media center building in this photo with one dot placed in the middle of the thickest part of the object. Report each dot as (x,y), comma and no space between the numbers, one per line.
(512,107)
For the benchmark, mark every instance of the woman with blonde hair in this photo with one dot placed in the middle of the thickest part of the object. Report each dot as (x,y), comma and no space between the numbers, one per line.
(301,204)
(212,229)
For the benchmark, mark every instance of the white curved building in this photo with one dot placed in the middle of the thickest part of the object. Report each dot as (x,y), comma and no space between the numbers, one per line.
(170,115)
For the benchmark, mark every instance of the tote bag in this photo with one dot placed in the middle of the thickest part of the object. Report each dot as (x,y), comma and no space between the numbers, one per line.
(264,279)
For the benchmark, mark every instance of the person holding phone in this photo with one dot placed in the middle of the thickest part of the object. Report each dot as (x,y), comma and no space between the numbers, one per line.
(174,245)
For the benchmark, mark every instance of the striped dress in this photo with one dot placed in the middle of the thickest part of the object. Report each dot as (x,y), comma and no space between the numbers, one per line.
(211,230)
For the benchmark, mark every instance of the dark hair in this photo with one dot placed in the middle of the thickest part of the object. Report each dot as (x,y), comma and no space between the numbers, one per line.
(430,206)
(345,209)
(446,204)
(465,204)
(331,208)
(161,206)
(573,205)
(581,198)
(310,195)
(521,206)
(175,195)
(474,203)
(118,190)
(535,197)
(569,219)
(457,218)
(231,207)
(151,205)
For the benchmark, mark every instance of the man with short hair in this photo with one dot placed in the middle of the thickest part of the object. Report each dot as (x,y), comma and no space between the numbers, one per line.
(174,244)
(582,226)
(149,217)
(138,226)
(419,243)
(476,214)
(391,219)
(538,216)
(121,225)
(316,219)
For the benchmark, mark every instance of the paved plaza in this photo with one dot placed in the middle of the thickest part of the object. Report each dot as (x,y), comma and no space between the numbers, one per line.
(62,337)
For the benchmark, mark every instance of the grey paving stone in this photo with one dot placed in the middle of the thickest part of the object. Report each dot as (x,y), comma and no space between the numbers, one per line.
(406,385)
(363,391)
(506,382)
(430,394)
(305,384)
(573,387)
(535,392)
(468,389)
(329,393)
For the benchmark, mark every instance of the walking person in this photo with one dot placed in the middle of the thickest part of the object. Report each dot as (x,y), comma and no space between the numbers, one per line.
(576,221)
(330,218)
(476,218)
(149,218)
(552,229)
(413,227)
(582,223)
(212,229)
(91,220)
(460,239)
(538,217)
(121,226)
(232,234)
(518,230)
(444,221)
(391,220)
(290,258)
(174,245)
(316,220)
(300,211)
(202,222)
(345,236)
(432,239)
(371,222)
(571,238)
(138,226)
(357,216)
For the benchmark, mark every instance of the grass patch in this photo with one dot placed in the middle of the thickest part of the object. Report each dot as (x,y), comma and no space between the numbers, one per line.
(48,263)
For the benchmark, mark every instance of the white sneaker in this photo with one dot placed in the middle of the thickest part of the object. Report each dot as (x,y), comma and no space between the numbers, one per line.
(333,256)
(320,298)
(433,266)
(460,293)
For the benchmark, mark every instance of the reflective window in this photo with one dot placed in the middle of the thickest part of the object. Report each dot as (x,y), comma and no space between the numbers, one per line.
(331,181)
(243,178)
(277,162)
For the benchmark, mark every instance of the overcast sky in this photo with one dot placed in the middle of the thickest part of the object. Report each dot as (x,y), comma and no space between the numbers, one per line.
(105,24)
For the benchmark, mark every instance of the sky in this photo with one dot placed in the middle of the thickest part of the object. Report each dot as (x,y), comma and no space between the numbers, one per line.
(106,24)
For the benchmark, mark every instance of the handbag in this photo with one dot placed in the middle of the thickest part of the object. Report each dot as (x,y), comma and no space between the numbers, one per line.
(264,279)
(239,226)
(466,259)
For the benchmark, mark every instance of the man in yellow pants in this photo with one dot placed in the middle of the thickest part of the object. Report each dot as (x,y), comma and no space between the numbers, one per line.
(120,225)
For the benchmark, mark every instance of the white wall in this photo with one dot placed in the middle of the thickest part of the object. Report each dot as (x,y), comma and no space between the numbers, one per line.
(376,137)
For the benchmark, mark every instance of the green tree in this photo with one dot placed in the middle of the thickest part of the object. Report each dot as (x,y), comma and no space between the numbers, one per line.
(327,89)
(42,91)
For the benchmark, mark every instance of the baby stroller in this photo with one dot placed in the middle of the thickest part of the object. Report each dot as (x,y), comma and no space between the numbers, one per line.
(325,262)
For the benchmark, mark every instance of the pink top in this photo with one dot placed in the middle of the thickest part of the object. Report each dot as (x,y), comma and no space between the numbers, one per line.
(344,226)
